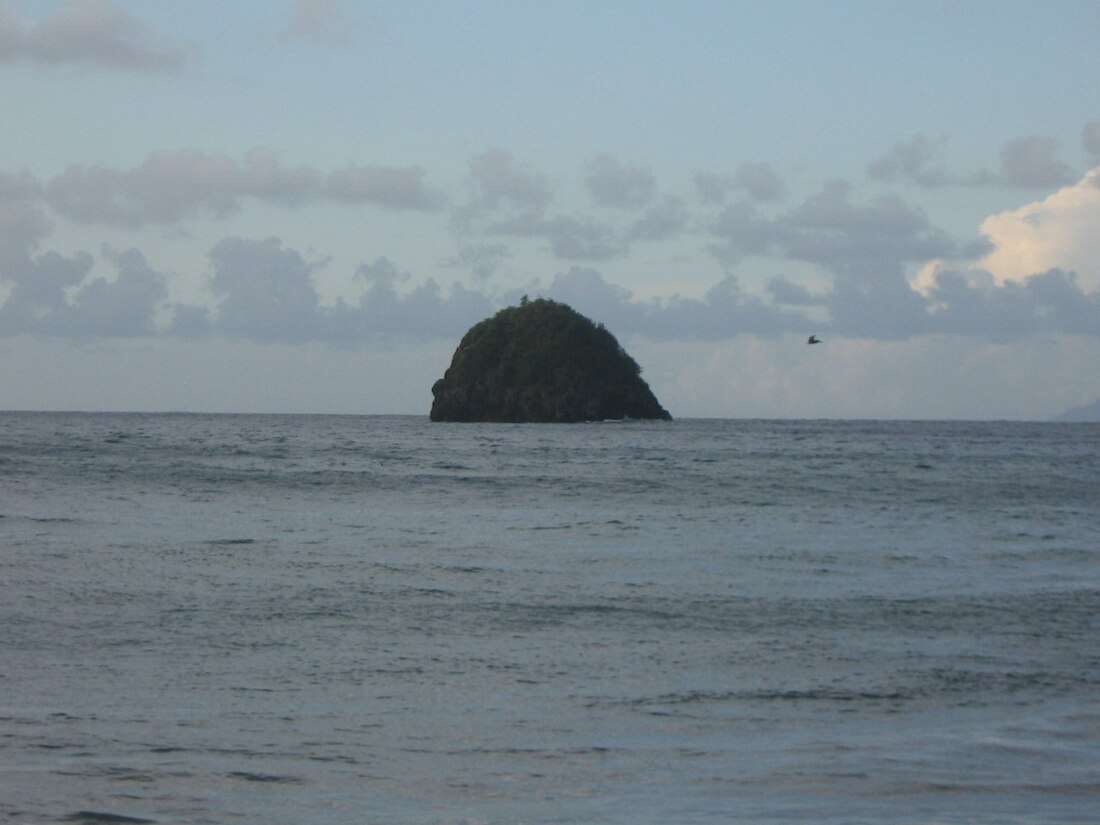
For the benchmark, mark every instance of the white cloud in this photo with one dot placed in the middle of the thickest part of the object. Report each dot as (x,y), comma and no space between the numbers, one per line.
(1060,231)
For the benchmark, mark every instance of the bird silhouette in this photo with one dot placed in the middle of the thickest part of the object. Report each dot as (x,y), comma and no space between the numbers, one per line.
(814,340)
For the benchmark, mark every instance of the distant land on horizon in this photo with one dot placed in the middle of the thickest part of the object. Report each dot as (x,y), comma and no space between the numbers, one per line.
(1086,412)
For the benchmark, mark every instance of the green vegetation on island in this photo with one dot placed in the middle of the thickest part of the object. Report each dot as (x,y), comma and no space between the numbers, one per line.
(542,361)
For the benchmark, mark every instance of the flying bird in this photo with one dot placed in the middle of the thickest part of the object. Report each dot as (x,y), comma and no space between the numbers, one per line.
(814,340)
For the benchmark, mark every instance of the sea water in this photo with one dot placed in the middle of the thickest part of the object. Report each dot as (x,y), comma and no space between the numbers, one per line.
(313,620)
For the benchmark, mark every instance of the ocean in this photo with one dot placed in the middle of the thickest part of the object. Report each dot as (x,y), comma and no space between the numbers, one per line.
(324,620)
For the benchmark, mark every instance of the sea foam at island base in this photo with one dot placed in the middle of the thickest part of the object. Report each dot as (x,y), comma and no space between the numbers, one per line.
(381,620)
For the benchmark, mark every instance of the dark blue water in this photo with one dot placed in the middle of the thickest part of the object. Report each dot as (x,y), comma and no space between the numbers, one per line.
(280,619)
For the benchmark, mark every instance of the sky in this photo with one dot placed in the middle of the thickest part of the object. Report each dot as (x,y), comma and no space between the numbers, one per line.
(300,206)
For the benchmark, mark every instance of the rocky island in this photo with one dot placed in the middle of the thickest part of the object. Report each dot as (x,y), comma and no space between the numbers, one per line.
(542,361)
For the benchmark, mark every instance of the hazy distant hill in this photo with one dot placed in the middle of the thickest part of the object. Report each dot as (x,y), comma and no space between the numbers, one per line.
(1089,412)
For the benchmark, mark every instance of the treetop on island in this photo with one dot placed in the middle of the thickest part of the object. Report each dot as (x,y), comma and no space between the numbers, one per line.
(542,361)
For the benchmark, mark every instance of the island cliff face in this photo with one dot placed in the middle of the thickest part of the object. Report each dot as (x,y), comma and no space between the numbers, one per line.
(542,362)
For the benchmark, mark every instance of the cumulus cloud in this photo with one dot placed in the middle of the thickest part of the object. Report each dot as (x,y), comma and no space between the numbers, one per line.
(181,185)
(867,248)
(386,186)
(758,180)
(829,230)
(586,290)
(325,22)
(1090,138)
(496,180)
(90,33)
(1051,301)
(51,296)
(266,292)
(915,160)
(662,220)
(1036,272)
(172,186)
(22,222)
(123,307)
(569,238)
(482,259)
(426,311)
(724,311)
(582,239)
(1030,162)
(1033,162)
(787,293)
(1057,232)
(21,186)
(611,182)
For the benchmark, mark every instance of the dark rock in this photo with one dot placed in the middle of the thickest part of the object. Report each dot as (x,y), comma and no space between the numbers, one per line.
(542,362)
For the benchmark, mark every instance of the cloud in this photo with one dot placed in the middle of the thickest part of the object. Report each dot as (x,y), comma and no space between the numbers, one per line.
(181,185)
(582,239)
(173,186)
(725,311)
(858,239)
(88,32)
(482,259)
(867,249)
(570,238)
(661,221)
(1090,138)
(758,180)
(1030,162)
(121,308)
(497,181)
(1057,232)
(1051,301)
(610,182)
(386,186)
(266,292)
(424,312)
(22,186)
(586,290)
(1036,273)
(22,223)
(38,298)
(914,161)
(21,227)
(51,296)
(786,293)
(325,22)
(879,237)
